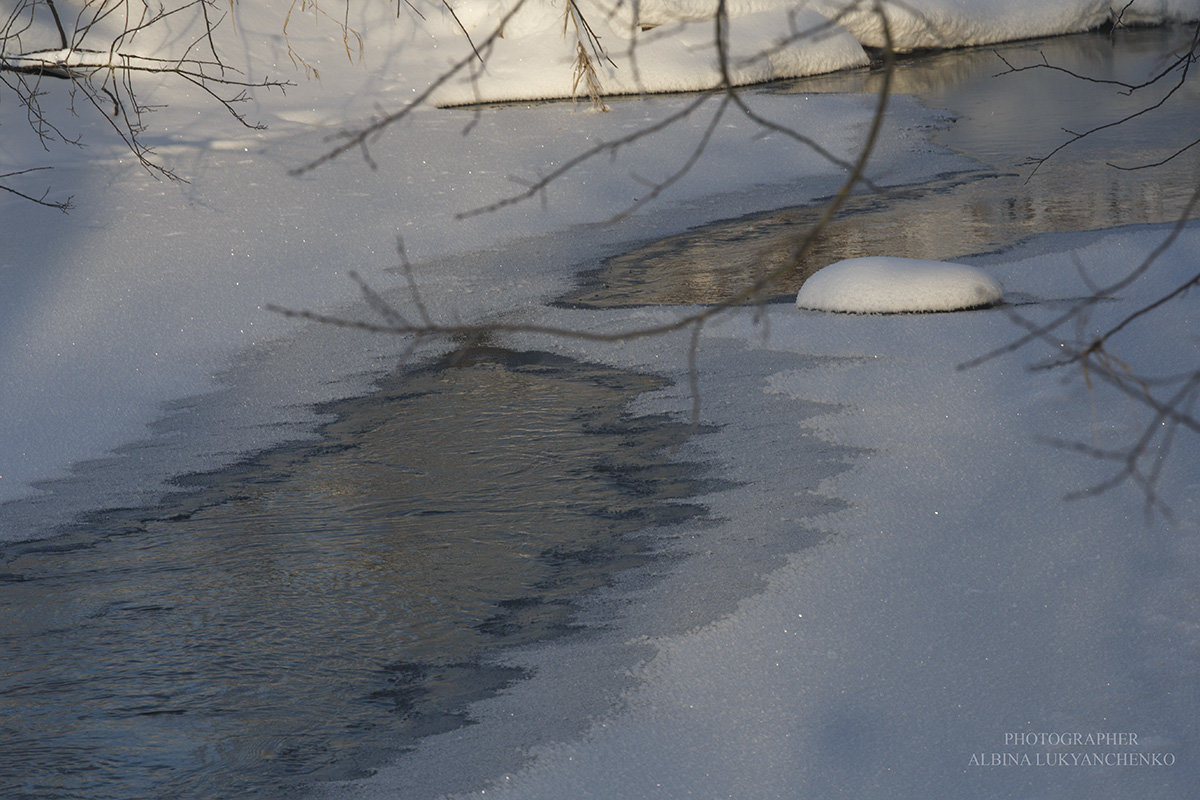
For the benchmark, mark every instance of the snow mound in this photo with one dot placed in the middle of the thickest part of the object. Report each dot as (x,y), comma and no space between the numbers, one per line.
(887,285)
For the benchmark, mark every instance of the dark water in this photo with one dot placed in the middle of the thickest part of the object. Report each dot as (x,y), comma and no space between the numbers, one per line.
(304,609)
(1002,121)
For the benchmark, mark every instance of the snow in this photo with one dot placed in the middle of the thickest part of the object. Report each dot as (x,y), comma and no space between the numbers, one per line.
(954,596)
(891,285)
(766,41)
(954,23)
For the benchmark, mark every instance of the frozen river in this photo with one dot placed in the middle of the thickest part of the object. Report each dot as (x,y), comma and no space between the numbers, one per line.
(314,609)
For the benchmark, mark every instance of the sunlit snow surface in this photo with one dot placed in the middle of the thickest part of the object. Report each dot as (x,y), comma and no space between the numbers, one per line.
(765,41)
(890,285)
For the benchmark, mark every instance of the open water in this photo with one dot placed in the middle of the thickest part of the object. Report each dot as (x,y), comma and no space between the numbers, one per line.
(1003,122)
(312,608)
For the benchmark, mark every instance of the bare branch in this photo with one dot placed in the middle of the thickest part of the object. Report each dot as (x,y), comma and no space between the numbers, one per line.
(1045,332)
(361,138)
(396,323)
(1170,401)
(104,76)
(62,205)
(1180,66)
(458,22)
(62,35)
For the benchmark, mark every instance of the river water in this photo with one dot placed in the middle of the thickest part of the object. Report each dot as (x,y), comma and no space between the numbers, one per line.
(1002,121)
(317,608)
(306,611)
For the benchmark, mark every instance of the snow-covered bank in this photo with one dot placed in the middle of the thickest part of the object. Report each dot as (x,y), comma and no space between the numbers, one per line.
(533,50)
(953,23)
(653,47)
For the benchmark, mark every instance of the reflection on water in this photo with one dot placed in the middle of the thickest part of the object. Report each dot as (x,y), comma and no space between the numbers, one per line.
(1004,120)
(275,626)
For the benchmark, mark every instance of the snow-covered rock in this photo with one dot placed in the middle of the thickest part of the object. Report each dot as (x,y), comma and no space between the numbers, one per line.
(888,285)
